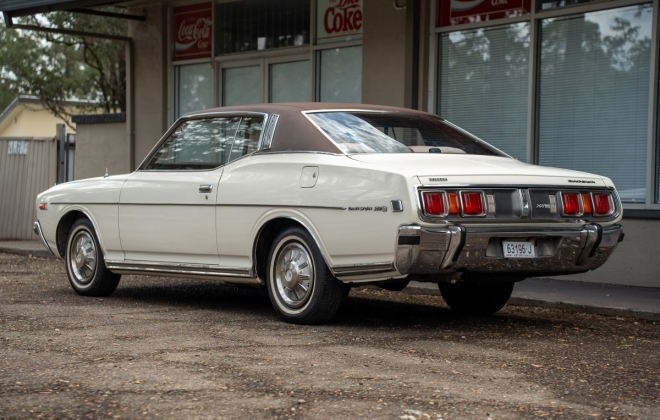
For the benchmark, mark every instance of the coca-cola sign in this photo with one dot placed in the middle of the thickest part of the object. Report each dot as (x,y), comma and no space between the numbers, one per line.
(193,28)
(338,20)
(456,12)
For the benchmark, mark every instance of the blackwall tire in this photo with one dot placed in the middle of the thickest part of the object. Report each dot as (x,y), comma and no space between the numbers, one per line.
(476,298)
(300,286)
(85,265)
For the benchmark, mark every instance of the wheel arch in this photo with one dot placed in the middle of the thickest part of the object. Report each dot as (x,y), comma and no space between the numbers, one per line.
(70,215)
(266,233)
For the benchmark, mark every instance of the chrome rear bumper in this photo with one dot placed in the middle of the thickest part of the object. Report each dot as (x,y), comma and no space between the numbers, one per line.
(457,248)
(37,230)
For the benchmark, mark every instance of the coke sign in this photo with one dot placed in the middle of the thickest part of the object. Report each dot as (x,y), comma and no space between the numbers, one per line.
(338,20)
(193,28)
(455,12)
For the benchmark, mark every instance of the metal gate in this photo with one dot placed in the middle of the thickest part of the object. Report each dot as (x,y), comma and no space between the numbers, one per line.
(28,166)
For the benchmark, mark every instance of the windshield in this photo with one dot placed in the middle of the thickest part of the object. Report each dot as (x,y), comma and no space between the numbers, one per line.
(394,132)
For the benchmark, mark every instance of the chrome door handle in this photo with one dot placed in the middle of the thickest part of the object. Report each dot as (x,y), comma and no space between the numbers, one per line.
(205,188)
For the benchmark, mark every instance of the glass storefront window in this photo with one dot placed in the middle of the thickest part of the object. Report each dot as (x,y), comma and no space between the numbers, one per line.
(341,75)
(241,85)
(193,88)
(593,93)
(552,4)
(289,82)
(254,25)
(483,84)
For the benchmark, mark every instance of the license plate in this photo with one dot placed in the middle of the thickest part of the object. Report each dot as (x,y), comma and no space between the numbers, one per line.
(518,249)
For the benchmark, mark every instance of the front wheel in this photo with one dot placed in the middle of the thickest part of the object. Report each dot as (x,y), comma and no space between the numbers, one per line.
(300,286)
(476,298)
(85,265)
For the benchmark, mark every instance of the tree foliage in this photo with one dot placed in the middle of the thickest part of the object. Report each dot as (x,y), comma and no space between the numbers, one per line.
(57,67)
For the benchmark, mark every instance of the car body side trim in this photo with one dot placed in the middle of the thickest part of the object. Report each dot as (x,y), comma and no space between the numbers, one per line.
(38,231)
(211,204)
(359,269)
(179,268)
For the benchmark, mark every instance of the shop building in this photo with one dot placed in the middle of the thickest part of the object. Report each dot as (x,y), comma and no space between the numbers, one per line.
(565,83)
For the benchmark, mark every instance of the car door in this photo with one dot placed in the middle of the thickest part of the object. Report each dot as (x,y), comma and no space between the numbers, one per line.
(167,207)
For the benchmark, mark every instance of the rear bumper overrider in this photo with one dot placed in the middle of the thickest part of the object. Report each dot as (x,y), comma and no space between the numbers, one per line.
(453,248)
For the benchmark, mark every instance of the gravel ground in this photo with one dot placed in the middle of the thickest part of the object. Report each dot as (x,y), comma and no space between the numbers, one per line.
(176,348)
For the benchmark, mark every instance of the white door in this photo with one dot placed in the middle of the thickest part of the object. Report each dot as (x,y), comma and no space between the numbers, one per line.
(167,208)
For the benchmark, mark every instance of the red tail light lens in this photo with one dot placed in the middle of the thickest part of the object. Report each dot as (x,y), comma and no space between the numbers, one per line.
(603,204)
(571,204)
(434,203)
(473,204)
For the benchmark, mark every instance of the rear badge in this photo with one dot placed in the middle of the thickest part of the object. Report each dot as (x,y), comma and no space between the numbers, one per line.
(437,179)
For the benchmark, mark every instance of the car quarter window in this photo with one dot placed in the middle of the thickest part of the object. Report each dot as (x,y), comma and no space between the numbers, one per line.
(197,145)
(247,137)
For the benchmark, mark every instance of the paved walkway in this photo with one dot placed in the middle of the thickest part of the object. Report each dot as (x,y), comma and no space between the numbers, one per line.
(607,299)
(34,248)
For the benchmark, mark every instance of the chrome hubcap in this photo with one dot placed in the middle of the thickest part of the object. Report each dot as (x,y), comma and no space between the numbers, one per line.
(83,257)
(294,274)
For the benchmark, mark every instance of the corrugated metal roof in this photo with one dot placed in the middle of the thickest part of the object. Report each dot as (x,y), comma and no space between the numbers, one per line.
(16,8)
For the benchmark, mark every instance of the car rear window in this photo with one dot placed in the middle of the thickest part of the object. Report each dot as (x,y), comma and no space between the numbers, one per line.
(395,132)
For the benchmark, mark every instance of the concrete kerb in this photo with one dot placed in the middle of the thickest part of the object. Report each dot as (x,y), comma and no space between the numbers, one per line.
(432,290)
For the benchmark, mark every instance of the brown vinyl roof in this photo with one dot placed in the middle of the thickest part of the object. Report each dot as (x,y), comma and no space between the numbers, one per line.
(294,131)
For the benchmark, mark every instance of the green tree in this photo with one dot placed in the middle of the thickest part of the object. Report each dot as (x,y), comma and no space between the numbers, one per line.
(57,67)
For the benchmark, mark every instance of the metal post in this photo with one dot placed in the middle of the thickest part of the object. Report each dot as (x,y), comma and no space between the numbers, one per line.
(412,55)
(61,137)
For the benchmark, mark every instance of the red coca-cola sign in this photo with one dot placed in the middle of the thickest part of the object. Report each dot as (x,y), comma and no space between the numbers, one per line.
(456,12)
(338,20)
(193,28)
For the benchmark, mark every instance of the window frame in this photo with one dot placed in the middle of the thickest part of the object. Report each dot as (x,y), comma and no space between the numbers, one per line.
(207,115)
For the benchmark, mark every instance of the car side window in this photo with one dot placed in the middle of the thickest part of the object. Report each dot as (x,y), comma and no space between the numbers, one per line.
(247,137)
(197,145)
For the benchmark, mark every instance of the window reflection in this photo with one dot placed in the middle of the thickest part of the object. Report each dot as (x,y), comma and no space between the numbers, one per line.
(194,88)
(364,132)
(247,138)
(594,95)
(483,84)
(197,145)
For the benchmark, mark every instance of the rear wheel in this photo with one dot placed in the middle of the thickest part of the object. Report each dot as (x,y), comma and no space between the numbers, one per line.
(85,265)
(476,298)
(301,287)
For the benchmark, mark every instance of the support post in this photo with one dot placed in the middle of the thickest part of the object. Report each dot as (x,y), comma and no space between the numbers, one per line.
(61,137)
(411,93)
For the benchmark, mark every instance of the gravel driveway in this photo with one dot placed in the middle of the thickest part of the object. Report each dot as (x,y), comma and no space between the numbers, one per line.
(176,348)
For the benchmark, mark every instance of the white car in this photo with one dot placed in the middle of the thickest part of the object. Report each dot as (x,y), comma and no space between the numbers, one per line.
(309,199)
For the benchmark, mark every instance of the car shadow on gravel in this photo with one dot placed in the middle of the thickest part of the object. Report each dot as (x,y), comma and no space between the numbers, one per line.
(384,309)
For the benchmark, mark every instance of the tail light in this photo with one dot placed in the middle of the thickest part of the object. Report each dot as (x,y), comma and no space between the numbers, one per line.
(435,203)
(603,204)
(587,207)
(571,204)
(473,203)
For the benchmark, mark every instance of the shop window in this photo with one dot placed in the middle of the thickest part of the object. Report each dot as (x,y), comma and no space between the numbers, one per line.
(254,25)
(340,75)
(483,84)
(552,4)
(193,88)
(241,85)
(289,82)
(594,93)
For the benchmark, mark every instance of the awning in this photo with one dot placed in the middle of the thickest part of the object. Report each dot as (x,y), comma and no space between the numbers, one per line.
(15,8)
